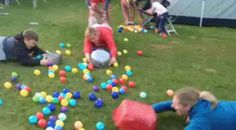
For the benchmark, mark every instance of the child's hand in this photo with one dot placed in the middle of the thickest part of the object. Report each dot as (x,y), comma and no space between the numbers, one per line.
(113,61)
(44,62)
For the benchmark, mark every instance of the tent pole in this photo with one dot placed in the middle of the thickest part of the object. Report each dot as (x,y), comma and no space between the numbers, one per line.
(202,12)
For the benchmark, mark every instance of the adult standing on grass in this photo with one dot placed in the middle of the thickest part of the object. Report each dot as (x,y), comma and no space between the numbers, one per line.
(128,10)
(202,109)
(22,48)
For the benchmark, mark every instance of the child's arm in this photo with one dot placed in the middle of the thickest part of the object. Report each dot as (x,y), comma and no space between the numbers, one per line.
(163,106)
(108,36)
(87,48)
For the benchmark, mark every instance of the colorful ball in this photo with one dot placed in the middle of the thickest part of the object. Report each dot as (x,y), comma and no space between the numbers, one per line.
(132,84)
(49,128)
(52,107)
(7,85)
(100,126)
(119,53)
(68,52)
(129,73)
(68,68)
(115,89)
(90,67)
(39,115)
(62,45)
(62,73)
(76,95)
(51,75)
(63,80)
(49,98)
(60,123)
(108,72)
(170,93)
(14,79)
(115,95)
(68,45)
(103,85)
(122,91)
(125,77)
(58,52)
(33,120)
(42,123)
(143,95)
(122,81)
(64,102)
(37,72)
(52,118)
(74,70)
(46,111)
(78,125)
(140,53)
(95,88)
(64,109)
(99,103)
(1,102)
(109,87)
(116,64)
(24,93)
(92,96)
(125,51)
(62,116)
(14,74)
(127,68)
(73,102)
(126,39)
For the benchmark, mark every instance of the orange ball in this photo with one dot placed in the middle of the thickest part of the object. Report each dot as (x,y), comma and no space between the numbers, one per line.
(170,93)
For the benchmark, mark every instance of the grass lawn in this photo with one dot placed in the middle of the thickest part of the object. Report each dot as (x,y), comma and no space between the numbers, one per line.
(200,57)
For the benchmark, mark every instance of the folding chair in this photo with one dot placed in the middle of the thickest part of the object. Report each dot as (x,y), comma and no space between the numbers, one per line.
(169,27)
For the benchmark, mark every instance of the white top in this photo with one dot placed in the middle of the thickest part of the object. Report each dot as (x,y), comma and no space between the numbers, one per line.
(158,8)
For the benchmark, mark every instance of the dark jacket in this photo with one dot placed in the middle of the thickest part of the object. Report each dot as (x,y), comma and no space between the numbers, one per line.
(15,49)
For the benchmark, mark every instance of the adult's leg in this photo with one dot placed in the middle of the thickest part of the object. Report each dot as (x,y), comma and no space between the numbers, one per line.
(125,10)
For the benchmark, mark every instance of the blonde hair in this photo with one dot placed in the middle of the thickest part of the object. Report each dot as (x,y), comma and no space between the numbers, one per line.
(91,33)
(190,96)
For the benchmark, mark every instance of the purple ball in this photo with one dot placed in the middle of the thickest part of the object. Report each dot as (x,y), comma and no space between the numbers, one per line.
(76,95)
(92,96)
(95,88)
(18,86)
(64,109)
(52,118)
(99,103)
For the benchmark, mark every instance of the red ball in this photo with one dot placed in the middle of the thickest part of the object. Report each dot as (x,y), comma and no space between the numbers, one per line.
(140,53)
(109,87)
(116,81)
(62,73)
(63,80)
(39,115)
(122,81)
(60,98)
(42,123)
(131,84)
(28,89)
(90,67)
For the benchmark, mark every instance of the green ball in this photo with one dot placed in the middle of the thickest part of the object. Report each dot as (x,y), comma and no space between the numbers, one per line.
(14,74)
(55,101)
(68,45)
(35,99)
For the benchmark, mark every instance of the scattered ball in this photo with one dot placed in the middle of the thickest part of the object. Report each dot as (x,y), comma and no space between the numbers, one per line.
(24,93)
(131,84)
(74,70)
(125,51)
(1,102)
(99,103)
(33,119)
(140,53)
(68,52)
(116,64)
(7,85)
(100,126)
(42,123)
(108,72)
(62,116)
(170,93)
(37,72)
(143,95)
(95,88)
(126,39)
(78,125)
(119,53)
(58,52)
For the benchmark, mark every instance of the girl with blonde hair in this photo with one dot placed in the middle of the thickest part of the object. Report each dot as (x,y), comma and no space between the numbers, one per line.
(203,110)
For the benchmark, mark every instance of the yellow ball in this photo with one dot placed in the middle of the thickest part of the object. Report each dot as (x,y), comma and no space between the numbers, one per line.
(58,52)
(7,85)
(115,89)
(85,60)
(24,93)
(127,68)
(43,94)
(85,71)
(126,39)
(68,52)
(124,76)
(78,125)
(81,129)
(51,76)
(60,123)
(69,95)
(37,72)
(64,102)
(55,67)
(49,98)
(108,72)
(116,64)
(119,53)
(125,51)
(74,70)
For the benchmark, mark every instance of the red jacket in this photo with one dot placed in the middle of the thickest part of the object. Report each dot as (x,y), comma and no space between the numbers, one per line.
(105,41)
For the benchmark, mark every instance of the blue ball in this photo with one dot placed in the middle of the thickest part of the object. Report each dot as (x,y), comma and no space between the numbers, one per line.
(92,96)
(115,95)
(62,45)
(129,73)
(81,66)
(33,119)
(103,85)
(51,124)
(42,100)
(52,118)
(56,94)
(100,126)
(76,95)
(64,109)
(113,76)
(46,111)
(109,81)
(73,102)
(99,103)
(90,79)
(68,68)
(57,127)
(63,94)
(52,107)
(122,91)
(65,90)
(14,79)
(113,84)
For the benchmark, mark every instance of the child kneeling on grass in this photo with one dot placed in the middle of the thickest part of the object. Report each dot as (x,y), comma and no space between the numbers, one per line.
(22,48)
(160,16)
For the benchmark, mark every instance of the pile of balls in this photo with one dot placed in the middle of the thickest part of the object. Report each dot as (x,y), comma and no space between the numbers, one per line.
(85,68)
(66,47)
(132,28)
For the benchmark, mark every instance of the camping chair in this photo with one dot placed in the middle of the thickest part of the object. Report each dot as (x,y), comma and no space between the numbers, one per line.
(148,19)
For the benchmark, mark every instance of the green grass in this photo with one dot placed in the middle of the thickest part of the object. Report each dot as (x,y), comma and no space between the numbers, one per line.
(200,57)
